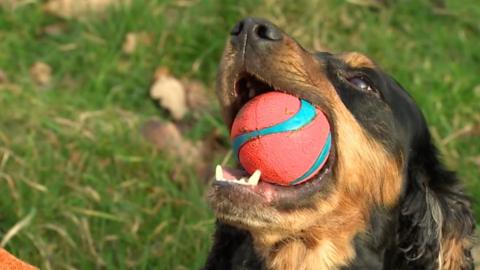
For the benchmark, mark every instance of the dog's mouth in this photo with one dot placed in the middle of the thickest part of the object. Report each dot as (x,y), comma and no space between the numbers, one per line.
(238,182)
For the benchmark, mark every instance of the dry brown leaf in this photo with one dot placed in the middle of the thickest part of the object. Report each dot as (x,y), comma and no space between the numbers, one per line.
(78,8)
(167,137)
(200,156)
(475,131)
(197,98)
(169,93)
(55,29)
(13,4)
(8,3)
(130,43)
(132,40)
(160,72)
(476,161)
(41,73)
(3,77)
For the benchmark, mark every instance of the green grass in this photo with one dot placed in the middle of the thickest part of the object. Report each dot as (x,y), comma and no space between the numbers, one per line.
(99,197)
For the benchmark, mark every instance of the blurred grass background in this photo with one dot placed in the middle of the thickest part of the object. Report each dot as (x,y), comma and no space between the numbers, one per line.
(80,187)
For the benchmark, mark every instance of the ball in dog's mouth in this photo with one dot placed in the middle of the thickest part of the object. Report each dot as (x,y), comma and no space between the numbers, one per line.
(279,139)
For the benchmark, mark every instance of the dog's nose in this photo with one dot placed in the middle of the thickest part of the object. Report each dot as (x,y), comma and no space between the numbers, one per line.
(254,32)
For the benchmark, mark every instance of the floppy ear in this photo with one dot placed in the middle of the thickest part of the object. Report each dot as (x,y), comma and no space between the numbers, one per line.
(436,223)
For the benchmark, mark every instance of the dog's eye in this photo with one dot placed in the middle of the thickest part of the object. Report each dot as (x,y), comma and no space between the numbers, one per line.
(361,84)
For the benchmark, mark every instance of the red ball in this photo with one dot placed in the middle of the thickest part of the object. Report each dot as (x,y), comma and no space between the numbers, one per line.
(284,137)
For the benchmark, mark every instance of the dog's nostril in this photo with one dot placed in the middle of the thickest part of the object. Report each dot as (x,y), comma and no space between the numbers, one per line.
(267,32)
(254,32)
(237,29)
(261,31)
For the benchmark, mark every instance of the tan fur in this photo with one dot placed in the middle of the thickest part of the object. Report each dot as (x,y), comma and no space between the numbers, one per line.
(453,253)
(320,238)
(366,175)
(325,246)
(357,60)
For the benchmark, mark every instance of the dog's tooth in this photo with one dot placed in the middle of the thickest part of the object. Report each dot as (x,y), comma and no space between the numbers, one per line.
(254,178)
(219,173)
(241,181)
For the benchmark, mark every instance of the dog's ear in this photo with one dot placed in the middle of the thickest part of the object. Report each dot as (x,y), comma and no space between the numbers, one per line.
(436,223)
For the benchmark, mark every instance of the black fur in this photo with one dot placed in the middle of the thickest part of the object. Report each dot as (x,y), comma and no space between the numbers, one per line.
(432,205)
(406,237)
(232,249)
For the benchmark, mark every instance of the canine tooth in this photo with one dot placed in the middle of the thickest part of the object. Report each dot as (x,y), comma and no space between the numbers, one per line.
(219,173)
(254,178)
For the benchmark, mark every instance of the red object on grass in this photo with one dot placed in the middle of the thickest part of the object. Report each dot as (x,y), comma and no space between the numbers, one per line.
(9,262)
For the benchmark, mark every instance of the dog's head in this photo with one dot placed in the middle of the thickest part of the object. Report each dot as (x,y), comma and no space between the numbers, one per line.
(381,158)
(367,112)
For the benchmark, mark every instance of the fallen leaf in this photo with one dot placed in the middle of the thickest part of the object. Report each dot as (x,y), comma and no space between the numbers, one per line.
(200,155)
(3,77)
(197,97)
(130,43)
(13,4)
(160,72)
(55,29)
(170,94)
(8,3)
(75,8)
(41,73)
(476,161)
(133,39)
(167,137)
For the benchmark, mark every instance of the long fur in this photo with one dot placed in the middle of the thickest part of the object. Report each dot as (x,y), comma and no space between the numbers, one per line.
(434,212)
(390,202)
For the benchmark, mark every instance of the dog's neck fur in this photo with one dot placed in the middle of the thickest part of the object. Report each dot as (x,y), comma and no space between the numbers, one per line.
(306,253)
(334,244)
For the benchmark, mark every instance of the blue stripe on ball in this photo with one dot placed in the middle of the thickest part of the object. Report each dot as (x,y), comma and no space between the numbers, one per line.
(321,158)
(304,116)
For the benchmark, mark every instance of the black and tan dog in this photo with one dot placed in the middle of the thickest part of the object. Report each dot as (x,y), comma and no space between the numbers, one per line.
(383,201)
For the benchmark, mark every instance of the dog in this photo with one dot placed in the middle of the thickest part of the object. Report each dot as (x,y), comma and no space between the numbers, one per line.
(384,200)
